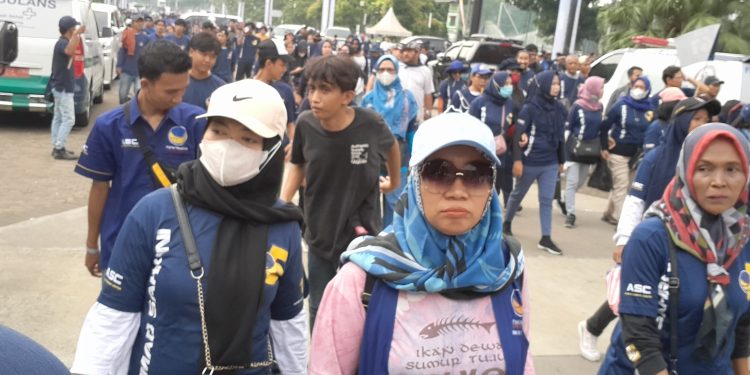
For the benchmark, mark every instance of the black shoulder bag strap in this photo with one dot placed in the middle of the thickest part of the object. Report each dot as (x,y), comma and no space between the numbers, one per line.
(194,260)
(674,306)
(162,175)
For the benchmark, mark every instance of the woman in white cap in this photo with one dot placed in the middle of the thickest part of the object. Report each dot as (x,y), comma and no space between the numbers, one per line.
(441,277)
(207,287)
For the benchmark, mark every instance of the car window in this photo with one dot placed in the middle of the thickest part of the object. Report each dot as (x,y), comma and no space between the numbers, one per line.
(466,50)
(101,19)
(606,67)
(492,53)
(452,52)
(92,26)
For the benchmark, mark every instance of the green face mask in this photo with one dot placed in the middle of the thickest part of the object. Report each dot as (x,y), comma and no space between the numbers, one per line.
(464,76)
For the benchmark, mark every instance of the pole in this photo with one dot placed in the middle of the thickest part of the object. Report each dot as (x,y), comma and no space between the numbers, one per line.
(429,21)
(561,29)
(574,33)
(267,14)
(476,16)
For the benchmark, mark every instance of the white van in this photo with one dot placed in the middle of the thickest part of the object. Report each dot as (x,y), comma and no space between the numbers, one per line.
(218,19)
(613,67)
(23,86)
(111,26)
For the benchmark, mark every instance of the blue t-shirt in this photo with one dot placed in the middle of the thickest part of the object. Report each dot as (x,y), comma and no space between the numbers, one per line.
(111,153)
(644,292)
(199,90)
(149,274)
(249,48)
(525,77)
(225,64)
(183,41)
(569,87)
(286,93)
(461,101)
(128,63)
(62,68)
(154,37)
(21,355)
(654,134)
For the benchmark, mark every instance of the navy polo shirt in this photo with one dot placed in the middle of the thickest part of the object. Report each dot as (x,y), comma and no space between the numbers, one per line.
(249,48)
(111,153)
(183,41)
(199,90)
(129,64)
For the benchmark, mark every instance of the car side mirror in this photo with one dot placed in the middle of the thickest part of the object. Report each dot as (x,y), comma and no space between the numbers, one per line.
(442,58)
(107,32)
(8,43)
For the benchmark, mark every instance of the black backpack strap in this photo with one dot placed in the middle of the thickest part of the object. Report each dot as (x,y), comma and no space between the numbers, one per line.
(367,292)
(674,305)
(194,260)
(161,174)
(514,248)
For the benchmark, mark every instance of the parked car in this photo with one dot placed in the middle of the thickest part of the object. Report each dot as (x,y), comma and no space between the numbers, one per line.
(337,33)
(280,30)
(197,18)
(733,69)
(23,86)
(433,43)
(110,25)
(487,51)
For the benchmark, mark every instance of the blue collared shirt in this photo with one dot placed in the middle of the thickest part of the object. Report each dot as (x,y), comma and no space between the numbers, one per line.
(111,153)
(129,64)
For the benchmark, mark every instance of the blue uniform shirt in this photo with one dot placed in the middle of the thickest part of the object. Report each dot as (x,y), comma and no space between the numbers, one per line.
(129,64)
(62,68)
(654,134)
(626,124)
(461,101)
(199,90)
(497,117)
(111,153)
(248,49)
(569,87)
(644,292)
(448,88)
(183,41)
(225,64)
(149,274)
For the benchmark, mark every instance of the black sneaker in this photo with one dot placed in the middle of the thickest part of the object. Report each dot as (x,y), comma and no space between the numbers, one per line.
(570,221)
(546,244)
(506,229)
(63,154)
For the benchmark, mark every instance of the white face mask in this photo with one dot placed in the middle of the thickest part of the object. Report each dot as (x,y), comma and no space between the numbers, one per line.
(230,163)
(638,94)
(386,78)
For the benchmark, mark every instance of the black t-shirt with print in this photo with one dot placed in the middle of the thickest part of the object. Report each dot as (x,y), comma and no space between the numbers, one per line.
(342,170)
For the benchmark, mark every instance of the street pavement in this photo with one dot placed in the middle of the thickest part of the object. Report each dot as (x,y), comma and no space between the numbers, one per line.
(47,291)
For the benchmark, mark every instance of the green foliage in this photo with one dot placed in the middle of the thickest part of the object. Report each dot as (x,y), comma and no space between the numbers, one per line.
(624,19)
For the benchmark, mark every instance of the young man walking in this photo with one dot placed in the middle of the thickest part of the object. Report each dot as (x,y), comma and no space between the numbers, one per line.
(339,150)
(132,149)
(62,85)
(133,42)
(204,48)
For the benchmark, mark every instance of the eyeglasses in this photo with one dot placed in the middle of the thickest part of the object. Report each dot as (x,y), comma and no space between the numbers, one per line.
(439,175)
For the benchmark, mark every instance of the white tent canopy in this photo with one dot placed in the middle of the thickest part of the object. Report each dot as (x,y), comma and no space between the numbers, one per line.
(389,26)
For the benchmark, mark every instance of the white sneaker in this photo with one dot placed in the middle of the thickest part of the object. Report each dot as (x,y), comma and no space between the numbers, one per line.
(587,343)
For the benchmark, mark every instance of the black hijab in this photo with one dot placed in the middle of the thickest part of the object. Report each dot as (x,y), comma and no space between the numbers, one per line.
(237,275)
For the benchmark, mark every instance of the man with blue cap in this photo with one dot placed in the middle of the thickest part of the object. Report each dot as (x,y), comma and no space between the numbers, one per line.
(62,87)
(455,82)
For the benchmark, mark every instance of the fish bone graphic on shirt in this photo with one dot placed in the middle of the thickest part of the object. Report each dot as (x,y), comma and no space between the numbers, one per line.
(446,325)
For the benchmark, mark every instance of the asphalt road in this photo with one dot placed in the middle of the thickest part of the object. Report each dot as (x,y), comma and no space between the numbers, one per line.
(46,290)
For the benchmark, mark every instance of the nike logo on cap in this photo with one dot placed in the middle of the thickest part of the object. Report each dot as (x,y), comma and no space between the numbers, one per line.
(236,99)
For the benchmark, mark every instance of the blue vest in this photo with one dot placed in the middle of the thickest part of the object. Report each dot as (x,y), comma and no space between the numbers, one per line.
(381,313)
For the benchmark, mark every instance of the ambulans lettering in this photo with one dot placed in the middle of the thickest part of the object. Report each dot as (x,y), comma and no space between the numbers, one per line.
(49,4)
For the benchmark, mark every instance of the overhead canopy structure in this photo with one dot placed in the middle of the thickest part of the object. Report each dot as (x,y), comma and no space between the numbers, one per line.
(389,26)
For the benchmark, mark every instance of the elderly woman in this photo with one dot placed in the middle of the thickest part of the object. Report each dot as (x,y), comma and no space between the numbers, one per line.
(204,274)
(399,110)
(442,277)
(685,288)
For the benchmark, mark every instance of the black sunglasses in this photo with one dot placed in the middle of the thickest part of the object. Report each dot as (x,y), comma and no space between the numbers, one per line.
(438,176)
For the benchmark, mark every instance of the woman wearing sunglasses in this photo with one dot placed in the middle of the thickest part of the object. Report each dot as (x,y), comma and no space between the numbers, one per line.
(542,119)
(176,302)
(442,289)
(695,320)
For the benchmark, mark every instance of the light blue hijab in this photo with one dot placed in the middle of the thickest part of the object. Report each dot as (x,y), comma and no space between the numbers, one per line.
(397,112)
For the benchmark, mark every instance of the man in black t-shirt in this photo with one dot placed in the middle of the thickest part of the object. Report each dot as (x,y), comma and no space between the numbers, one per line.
(339,151)
(62,86)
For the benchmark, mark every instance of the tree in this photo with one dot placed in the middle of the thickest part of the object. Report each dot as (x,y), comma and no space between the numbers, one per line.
(623,19)
(547,20)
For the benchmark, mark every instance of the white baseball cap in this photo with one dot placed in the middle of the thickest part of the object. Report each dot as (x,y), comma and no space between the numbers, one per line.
(452,129)
(252,103)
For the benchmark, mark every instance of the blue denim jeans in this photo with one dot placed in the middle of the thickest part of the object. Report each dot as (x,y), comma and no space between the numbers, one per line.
(319,273)
(390,199)
(63,117)
(126,81)
(546,177)
(575,177)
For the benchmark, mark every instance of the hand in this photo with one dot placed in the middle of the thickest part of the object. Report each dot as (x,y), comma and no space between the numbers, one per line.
(605,154)
(517,169)
(611,143)
(560,169)
(617,255)
(81,29)
(92,264)
(385,185)
(119,71)
(524,140)
(288,152)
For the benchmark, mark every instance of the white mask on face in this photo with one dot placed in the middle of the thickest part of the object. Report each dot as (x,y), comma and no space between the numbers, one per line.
(386,78)
(230,163)
(638,94)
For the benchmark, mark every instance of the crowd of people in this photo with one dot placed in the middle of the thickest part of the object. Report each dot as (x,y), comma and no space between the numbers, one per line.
(192,228)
